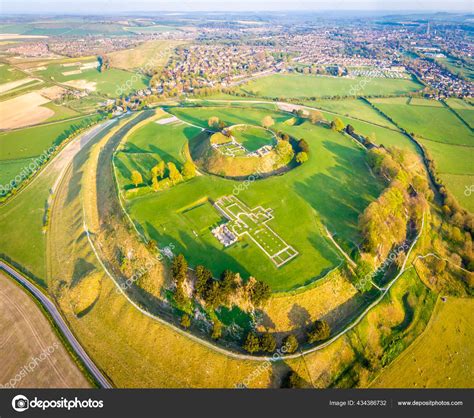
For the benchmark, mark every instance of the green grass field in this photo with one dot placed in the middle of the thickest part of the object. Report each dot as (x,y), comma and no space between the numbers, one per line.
(30,142)
(60,112)
(303,86)
(464,109)
(252,137)
(8,73)
(19,148)
(383,136)
(112,82)
(354,108)
(427,119)
(459,184)
(325,189)
(145,147)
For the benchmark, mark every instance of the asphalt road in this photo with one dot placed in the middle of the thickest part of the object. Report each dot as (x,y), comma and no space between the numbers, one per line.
(61,324)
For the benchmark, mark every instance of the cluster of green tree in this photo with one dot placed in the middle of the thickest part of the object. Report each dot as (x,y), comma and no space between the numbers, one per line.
(268,122)
(318,331)
(104,63)
(284,151)
(368,141)
(164,175)
(179,273)
(215,123)
(260,343)
(212,292)
(301,147)
(266,342)
(303,151)
(218,292)
(337,125)
(384,223)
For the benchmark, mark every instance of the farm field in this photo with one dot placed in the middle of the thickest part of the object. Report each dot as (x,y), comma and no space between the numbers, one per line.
(381,136)
(26,334)
(302,86)
(148,54)
(450,361)
(69,26)
(464,109)
(354,108)
(18,144)
(294,192)
(427,119)
(84,74)
(448,140)
(151,29)
(461,186)
(9,73)
(60,112)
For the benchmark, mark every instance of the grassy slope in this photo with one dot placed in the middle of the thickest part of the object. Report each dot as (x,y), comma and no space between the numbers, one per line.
(30,142)
(295,86)
(449,362)
(383,333)
(21,222)
(340,197)
(148,145)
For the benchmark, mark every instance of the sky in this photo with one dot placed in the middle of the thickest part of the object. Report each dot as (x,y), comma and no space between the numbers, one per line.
(120,6)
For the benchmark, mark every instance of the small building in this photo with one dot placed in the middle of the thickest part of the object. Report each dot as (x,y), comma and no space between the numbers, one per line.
(225,236)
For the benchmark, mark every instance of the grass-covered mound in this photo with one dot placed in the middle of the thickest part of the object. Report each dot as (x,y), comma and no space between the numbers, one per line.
(227,160)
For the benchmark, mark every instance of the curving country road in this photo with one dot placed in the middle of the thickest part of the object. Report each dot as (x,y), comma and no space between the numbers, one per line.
(60,323)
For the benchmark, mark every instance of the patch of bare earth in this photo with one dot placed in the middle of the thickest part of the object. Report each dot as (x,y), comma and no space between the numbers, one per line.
(24,110)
